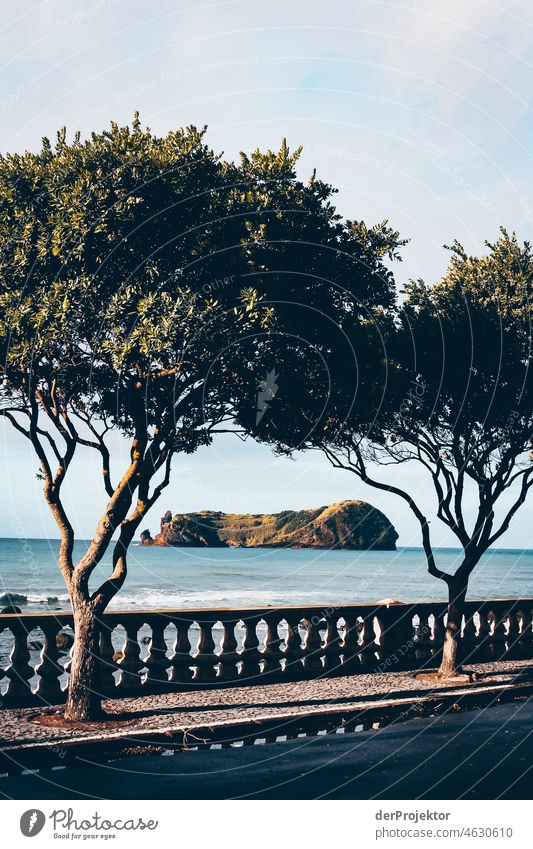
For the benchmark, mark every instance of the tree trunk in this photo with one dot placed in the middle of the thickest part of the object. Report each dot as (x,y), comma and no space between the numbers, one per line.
(450,665)
(84,702)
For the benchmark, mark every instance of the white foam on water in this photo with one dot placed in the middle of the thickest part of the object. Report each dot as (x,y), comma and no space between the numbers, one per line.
(251,597)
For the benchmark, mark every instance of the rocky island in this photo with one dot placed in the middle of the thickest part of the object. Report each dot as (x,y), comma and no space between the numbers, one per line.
(345,525)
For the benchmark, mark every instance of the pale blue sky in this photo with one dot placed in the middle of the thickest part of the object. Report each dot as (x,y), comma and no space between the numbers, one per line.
(419,112)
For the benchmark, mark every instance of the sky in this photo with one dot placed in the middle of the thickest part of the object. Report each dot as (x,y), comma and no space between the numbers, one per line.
(419,112)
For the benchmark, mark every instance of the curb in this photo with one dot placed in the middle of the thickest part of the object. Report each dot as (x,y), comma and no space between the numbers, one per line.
(84,750)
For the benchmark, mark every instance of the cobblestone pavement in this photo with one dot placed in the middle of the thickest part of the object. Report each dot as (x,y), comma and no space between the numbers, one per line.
(187,710)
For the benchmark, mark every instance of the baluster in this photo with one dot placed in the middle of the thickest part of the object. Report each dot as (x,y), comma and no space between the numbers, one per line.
(131,663)
(293,647)
(313,650)
(157,661)
(272,654)
(106,665)
(19,671)
(396,634)
(513,632)
(181,660)
(69,653)
(379,628)
(206,658)
(468,643)
(483,634)
(526,632)
(423,639)
(498,634)
(368,642)
(332,646)
(229,656)
(250,654)
(350,644)
(437,637)
(49,669)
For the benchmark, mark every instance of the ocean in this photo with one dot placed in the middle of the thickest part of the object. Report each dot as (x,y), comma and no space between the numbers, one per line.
(193,578)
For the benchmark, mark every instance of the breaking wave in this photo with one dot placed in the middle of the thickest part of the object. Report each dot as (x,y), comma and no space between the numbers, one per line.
(21,599)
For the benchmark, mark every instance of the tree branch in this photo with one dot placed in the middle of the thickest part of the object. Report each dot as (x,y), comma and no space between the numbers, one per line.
(527,483)
(359,469)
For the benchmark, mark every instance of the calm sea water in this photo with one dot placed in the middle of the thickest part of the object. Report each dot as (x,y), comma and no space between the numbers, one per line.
(191,577)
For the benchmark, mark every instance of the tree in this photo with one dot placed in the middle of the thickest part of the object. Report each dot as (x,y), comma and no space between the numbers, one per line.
(471,422)
(110,250)
(141,279)
(449,387)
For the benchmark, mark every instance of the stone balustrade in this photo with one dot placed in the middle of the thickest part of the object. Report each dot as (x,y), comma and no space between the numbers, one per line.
(155,651)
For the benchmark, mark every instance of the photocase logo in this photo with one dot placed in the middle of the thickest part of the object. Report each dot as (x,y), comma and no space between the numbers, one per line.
(267,392)
(32,822)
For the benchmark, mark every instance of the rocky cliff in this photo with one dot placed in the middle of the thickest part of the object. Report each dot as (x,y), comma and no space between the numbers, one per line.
(345,525)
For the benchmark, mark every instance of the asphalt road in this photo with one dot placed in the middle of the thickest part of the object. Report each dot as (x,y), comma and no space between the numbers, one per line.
(482,754)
